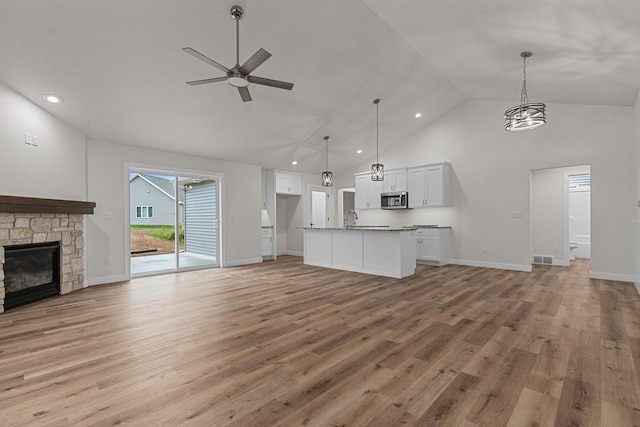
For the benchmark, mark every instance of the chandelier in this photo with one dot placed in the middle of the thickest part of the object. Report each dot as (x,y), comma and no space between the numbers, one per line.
(527,115)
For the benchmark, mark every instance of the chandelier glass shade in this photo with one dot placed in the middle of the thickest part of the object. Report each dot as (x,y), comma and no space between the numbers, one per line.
(377,169)
(327,177)
(527,115)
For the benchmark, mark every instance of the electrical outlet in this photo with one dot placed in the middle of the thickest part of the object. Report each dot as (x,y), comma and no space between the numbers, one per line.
(555,249)
(485,250)
(34,141)
(28,139)
(109,261)
(516,214)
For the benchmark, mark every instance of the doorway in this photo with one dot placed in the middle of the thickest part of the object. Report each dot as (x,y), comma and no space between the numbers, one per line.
(560,215)
(173,222)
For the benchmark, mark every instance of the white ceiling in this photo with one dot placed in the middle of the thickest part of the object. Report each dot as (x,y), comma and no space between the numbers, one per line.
(119,66)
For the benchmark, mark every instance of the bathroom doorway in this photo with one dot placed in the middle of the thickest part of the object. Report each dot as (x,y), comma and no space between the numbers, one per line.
(560,214)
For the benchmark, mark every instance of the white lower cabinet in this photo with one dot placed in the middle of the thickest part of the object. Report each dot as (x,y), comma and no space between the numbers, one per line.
(433,245)
(267,242)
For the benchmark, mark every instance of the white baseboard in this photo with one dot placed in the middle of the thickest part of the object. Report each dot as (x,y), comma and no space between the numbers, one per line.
(292,253)
(106,279)
(238,262)
(469,263)
(611,276)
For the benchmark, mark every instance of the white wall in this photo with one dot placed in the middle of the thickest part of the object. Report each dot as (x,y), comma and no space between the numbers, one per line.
(547,213)
(107,180)
(490,179)
(55,168)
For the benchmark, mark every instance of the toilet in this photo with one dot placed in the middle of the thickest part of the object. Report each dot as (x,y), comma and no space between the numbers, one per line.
(572,247)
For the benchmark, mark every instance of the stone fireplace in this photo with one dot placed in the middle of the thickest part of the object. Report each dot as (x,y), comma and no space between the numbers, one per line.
(28,221)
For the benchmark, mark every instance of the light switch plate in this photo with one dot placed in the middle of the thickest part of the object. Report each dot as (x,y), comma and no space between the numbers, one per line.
(34,141)
(28,139)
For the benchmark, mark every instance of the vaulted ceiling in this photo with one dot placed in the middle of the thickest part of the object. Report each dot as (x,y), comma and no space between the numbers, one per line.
(118,65)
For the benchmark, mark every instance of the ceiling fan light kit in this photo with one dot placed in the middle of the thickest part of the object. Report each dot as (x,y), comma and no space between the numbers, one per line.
(527,115)
(327,177)
(377,169)
(240,75)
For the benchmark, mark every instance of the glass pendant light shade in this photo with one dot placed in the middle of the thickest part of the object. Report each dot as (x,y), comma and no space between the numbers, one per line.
(377,169)
(527,115)
(327,177)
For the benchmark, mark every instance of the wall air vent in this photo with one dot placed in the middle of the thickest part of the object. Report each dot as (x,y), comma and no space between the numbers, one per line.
(541,259)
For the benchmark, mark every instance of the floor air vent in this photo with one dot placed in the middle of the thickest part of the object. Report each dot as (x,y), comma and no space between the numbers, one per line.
(539,259)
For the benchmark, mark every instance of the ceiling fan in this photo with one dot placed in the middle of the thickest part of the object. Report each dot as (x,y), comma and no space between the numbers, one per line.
(240,75)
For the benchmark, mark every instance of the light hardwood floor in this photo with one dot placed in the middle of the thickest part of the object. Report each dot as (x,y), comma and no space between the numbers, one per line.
(284,344)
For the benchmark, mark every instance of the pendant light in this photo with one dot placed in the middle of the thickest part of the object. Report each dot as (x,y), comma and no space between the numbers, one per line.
(527,115)
(377,169)
(327,177)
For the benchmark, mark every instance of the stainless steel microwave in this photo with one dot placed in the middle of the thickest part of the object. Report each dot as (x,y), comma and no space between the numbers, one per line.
(394,200)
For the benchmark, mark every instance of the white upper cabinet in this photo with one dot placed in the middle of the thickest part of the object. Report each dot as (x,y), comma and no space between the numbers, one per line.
(367,191)
(394,180)
(288,183)
(429,185)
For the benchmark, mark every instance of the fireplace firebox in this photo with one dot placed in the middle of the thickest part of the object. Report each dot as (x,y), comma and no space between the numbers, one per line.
(31,273)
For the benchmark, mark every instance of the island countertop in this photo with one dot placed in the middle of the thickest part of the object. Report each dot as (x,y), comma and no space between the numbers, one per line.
(363,228)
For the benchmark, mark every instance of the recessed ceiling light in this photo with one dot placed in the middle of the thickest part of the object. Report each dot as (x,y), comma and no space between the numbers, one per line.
(295,162)
(53,98)
(418,115)
(358,151)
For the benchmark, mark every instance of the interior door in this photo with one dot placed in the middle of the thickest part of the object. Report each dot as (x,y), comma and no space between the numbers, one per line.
(319,209)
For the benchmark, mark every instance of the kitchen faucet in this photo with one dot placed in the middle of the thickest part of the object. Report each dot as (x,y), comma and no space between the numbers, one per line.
(346,217)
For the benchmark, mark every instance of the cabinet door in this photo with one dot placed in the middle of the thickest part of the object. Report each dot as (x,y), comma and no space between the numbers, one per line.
(389,183)
(375,188)
(288,183)
(362,191)
(428,248)
(267,246)
(296,184)
(417,187)
(283,184)
(434,186)
(399,180)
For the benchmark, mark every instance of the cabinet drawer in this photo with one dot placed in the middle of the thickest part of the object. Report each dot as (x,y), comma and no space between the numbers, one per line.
(427,232)
(267,232)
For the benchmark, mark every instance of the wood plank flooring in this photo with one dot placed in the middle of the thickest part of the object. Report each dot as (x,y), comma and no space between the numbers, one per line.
(284,344)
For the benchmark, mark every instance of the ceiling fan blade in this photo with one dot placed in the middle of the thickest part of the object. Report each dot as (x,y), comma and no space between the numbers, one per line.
(270,82)
(255,61)
(244,94)
(205,59)
(205,81)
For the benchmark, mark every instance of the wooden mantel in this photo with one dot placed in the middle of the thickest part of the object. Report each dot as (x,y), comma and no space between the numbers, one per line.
(16,204)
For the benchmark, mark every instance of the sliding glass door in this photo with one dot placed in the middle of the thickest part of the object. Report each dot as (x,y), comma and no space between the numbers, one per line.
(173,222)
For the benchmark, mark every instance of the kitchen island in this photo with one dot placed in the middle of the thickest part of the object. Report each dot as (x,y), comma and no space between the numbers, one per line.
(382,251)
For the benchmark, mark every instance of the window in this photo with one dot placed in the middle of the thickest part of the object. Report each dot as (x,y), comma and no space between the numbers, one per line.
(144,211)
(580,182)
